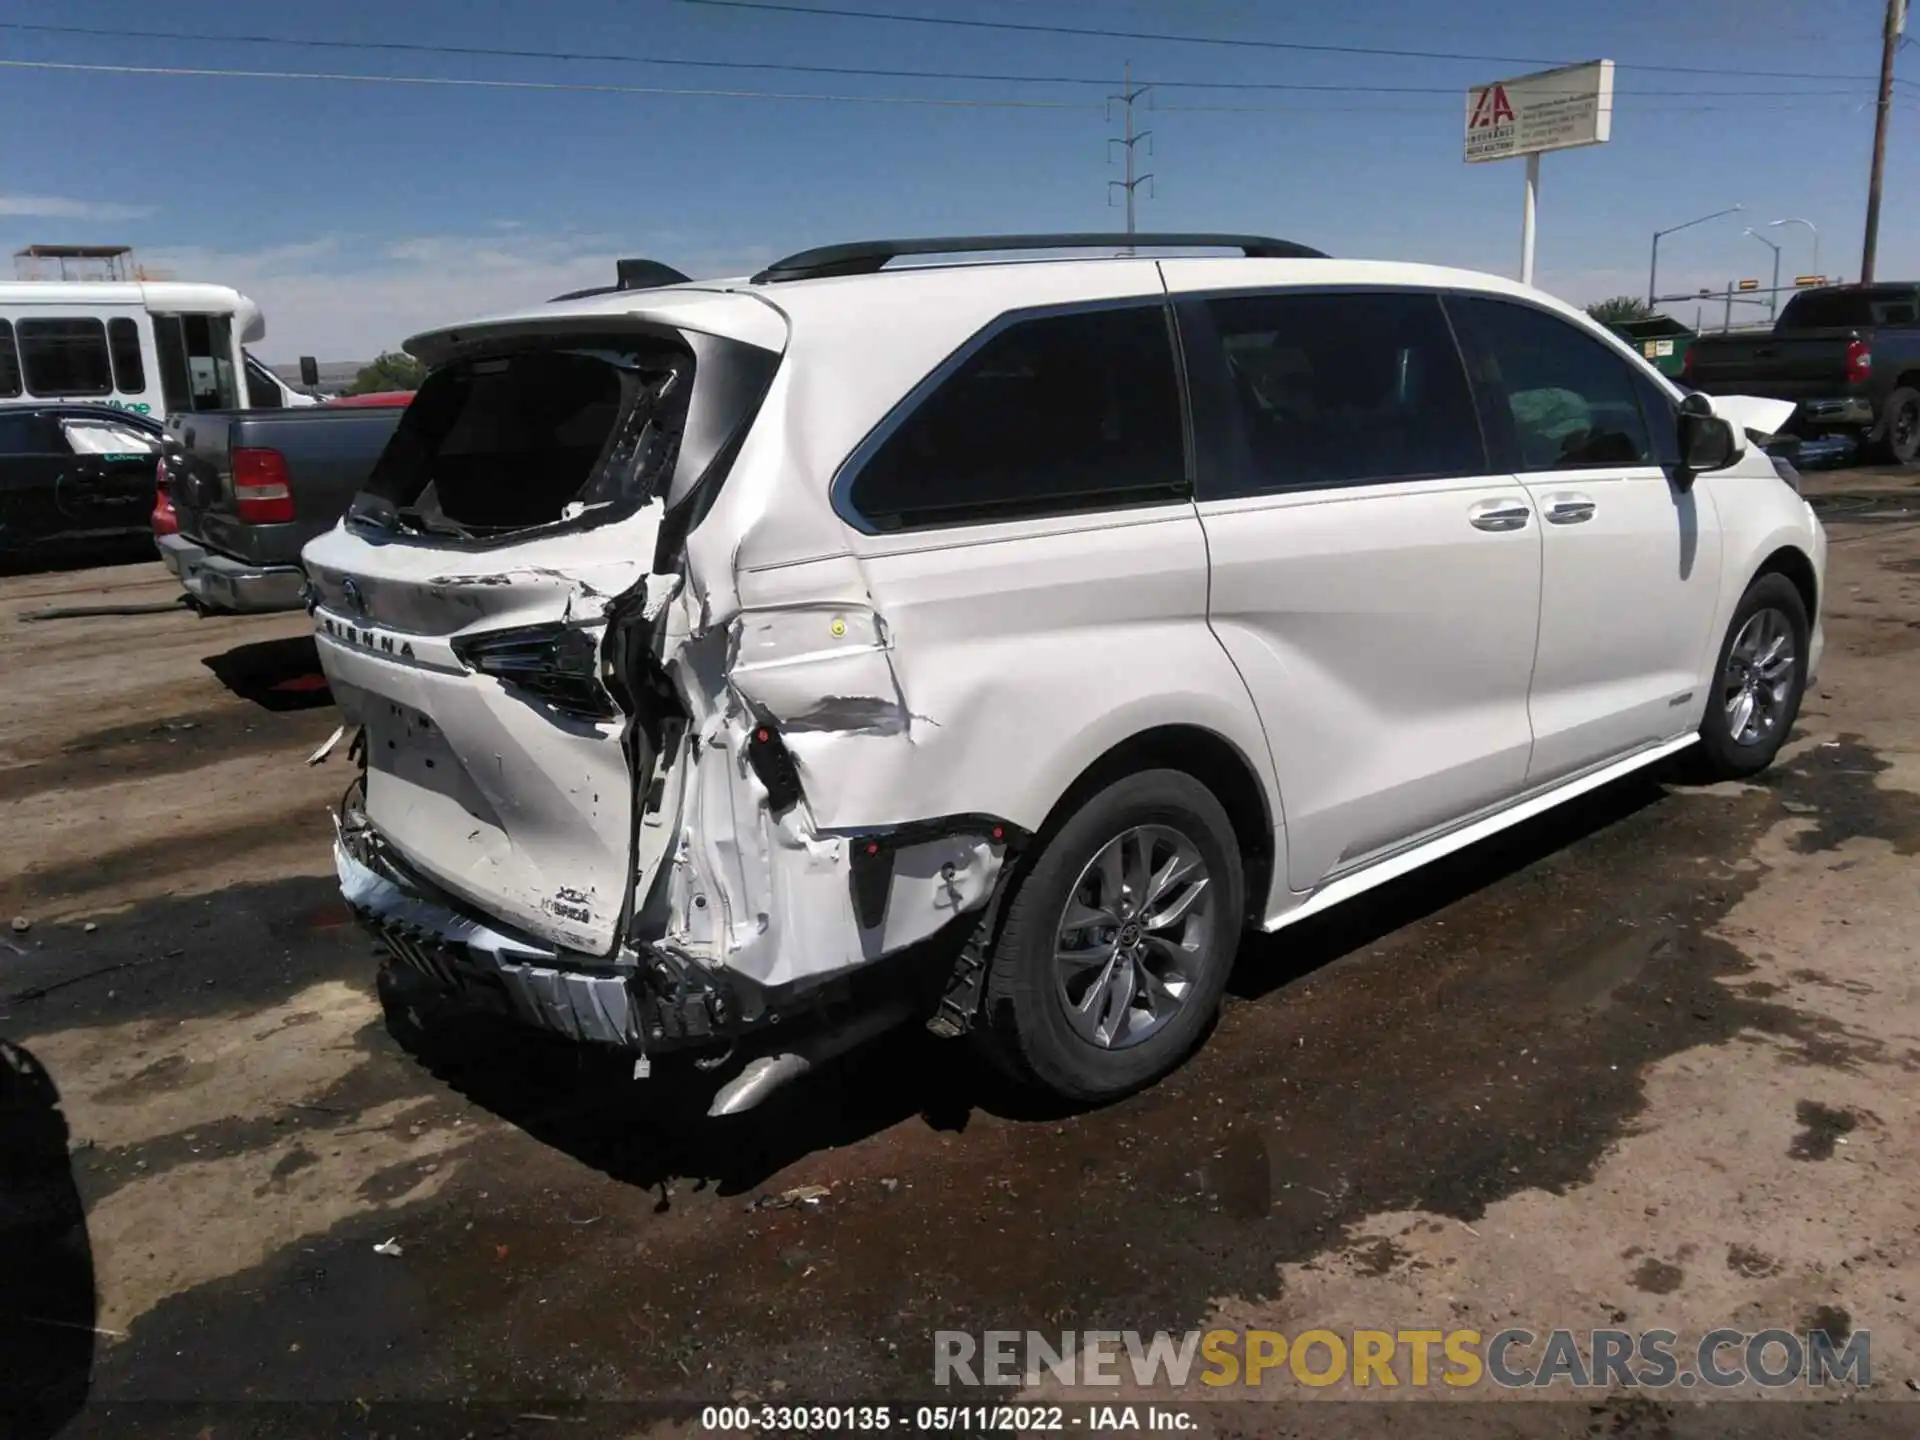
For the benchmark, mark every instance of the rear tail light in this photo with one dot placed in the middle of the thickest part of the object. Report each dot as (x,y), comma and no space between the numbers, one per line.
(558,663)
(165,521)
(261,492)
(1859,362)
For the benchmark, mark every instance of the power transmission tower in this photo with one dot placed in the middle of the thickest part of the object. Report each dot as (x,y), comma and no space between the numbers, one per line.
(1128,140)
(1889,42)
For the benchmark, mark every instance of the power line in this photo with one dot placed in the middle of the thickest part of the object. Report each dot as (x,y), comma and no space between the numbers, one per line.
(466,83)
(791,67)
(1684,108)
(936,102)
(1237,42)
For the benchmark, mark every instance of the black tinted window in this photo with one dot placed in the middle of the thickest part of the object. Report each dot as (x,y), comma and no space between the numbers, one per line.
(1663,421)
(25,432)
(1342,389)
(129,369)
(9,362)
(1061,413)
(1556,397)
(65,357)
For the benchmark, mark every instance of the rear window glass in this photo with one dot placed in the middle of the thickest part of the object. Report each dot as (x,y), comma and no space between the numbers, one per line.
(511,442)
(65,357)
(1845,309)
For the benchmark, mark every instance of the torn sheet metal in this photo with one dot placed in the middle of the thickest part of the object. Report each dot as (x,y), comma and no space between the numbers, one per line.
(1753,414)
(772,897)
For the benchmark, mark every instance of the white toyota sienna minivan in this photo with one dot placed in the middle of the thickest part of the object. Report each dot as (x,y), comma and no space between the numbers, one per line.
(741,667)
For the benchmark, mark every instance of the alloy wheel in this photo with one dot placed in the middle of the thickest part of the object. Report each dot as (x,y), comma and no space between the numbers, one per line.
(1135,933)
(1757,685)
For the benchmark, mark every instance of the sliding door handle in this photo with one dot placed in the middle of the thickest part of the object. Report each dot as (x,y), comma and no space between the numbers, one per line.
(1571,509)
(1499,515)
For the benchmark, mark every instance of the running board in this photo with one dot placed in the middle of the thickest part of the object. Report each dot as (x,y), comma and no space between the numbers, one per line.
(1346,887)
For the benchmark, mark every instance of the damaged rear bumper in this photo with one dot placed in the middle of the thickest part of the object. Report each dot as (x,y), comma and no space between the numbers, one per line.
(475,962)
(659,999)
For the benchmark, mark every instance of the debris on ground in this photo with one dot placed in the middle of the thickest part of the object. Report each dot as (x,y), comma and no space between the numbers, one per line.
(326,749)
(389,1246)
(21,924)
(889,1184)
(787,1199)
(89,928)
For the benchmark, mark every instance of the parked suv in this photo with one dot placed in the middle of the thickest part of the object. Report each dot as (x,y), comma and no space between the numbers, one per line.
(992,643)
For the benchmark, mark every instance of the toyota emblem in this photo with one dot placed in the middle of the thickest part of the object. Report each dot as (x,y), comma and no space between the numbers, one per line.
(355,601)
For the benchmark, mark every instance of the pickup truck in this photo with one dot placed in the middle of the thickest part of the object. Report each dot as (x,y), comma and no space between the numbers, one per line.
(1848,356)
(248,488)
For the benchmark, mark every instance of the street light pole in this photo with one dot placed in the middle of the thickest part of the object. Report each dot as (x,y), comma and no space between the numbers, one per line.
(1773,295)
(1812,230)
(1653,266)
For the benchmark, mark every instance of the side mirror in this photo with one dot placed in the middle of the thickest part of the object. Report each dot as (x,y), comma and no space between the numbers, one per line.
(309,371)
(1707,442)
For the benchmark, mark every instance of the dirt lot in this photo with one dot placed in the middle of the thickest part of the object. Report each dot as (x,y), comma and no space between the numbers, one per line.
(1649,1062)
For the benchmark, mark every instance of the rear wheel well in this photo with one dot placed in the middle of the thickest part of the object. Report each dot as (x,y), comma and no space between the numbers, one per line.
(1217,764)
(1793,563)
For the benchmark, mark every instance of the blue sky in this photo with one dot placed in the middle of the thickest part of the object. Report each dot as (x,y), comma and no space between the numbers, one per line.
(357,213)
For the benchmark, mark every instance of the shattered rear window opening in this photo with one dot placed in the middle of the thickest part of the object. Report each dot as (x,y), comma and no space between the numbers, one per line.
(502,443)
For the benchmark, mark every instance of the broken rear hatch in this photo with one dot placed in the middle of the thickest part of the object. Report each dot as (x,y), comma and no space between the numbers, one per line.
(483,612)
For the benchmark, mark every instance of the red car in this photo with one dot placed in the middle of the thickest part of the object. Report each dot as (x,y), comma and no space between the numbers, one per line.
(378,397)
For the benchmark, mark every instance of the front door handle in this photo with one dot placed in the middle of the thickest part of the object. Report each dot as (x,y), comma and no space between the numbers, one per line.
(1498,515)
(1569,509)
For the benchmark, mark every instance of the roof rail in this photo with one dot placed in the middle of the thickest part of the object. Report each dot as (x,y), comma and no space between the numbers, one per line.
(632,275)
(865,257)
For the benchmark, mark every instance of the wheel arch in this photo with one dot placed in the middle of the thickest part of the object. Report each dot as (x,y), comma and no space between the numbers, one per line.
(1212,759)
(1794,563)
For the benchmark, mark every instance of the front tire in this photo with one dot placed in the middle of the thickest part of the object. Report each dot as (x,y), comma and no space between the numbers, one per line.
(1119,940)
(1759,679)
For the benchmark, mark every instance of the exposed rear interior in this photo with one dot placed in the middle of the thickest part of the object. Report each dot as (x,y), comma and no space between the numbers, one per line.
(509,442)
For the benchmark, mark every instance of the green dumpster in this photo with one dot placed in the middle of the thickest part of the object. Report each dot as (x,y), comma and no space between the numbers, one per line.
(1662,340)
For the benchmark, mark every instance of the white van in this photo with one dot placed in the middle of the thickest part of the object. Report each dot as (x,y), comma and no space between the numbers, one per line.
(991,642)
(158,348)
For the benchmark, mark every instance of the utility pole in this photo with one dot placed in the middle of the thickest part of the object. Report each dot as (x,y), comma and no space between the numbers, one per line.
(1889,42)
(1129,139)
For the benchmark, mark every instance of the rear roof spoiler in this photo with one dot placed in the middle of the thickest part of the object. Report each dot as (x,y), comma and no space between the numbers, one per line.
(633,274)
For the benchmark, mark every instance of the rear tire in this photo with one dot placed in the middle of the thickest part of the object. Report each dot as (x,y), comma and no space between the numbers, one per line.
(1899,442)
(1758,680)
(1118,941)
